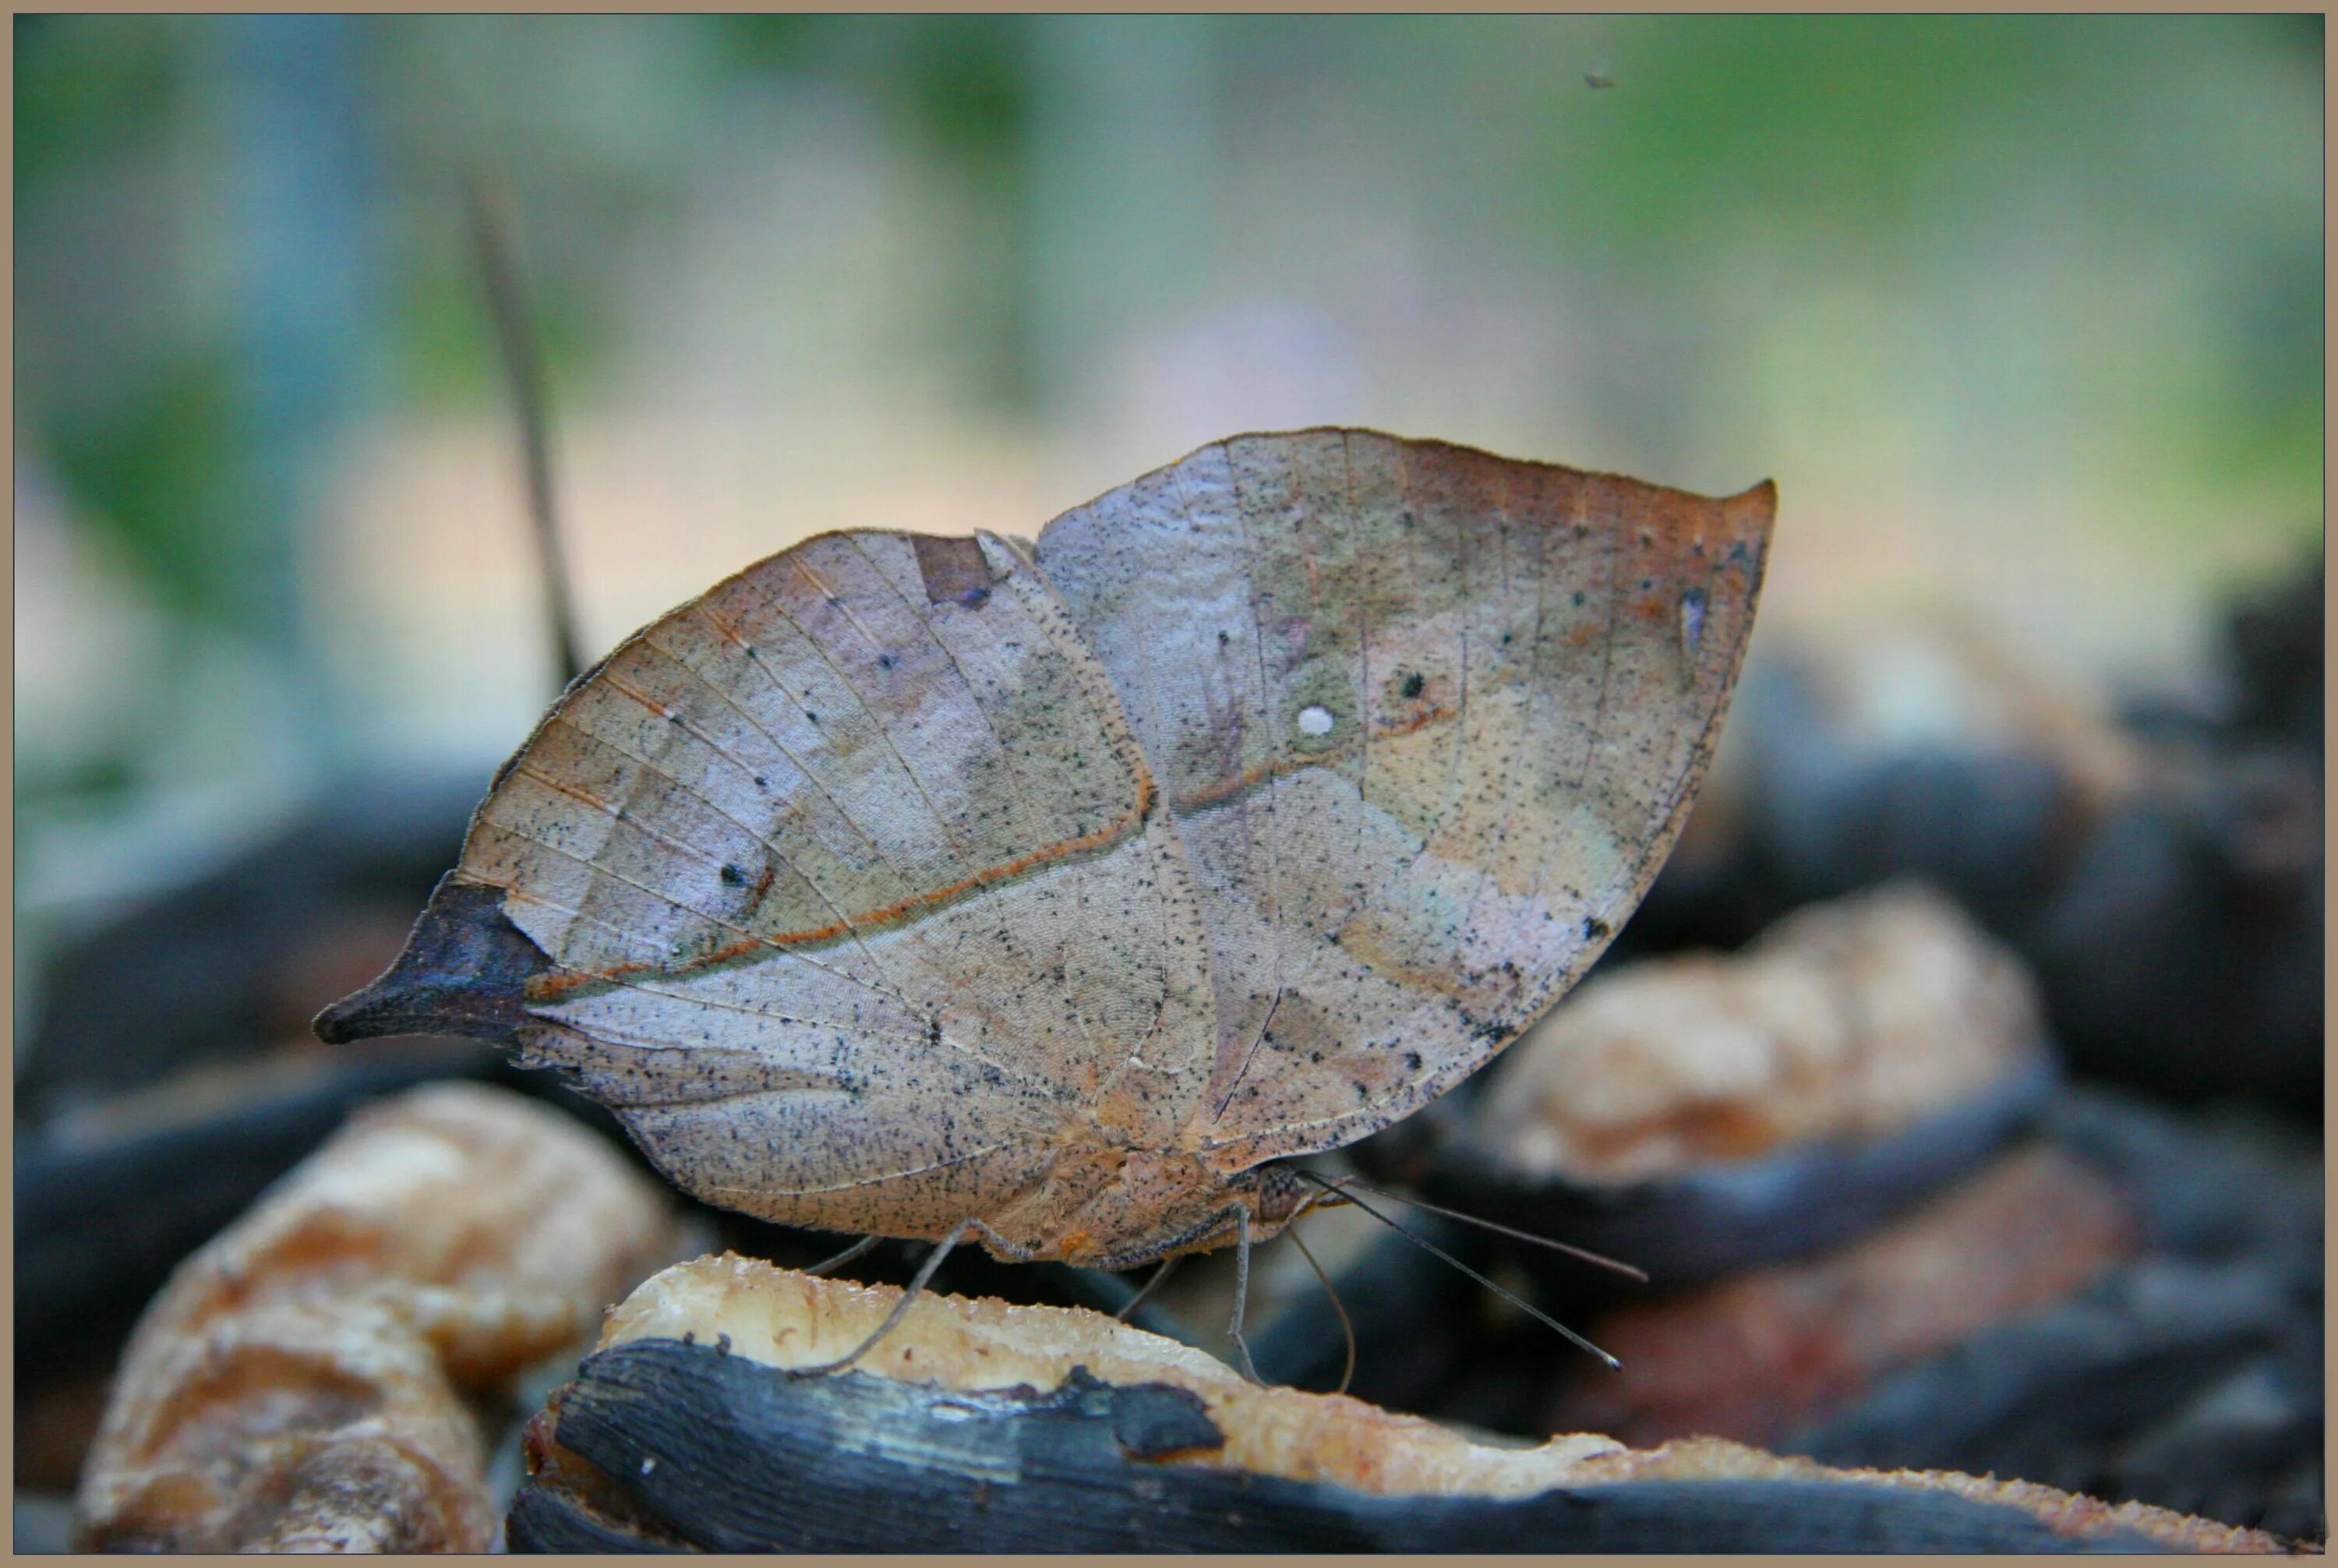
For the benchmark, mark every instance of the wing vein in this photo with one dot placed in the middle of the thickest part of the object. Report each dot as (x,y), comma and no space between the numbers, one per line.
(842,919)
(859,1180)
(884,731)
(1030,825)
(1273,779)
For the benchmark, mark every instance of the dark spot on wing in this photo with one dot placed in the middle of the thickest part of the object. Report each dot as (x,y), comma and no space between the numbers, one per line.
(954,570)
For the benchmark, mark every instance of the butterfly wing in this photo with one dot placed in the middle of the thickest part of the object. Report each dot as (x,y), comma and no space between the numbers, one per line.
(1428,721)
(846,886)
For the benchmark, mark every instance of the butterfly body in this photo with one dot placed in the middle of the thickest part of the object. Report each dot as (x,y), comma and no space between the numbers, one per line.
(898,882)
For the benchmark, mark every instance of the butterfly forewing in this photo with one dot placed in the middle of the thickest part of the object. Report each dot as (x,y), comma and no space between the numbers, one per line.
(1428,720)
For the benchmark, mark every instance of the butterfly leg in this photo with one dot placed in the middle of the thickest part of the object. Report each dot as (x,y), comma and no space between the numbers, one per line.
(1006,1250)
(916,1288)
(1347,1326)
(1159,1276)
(1241,1294)
(847,1255)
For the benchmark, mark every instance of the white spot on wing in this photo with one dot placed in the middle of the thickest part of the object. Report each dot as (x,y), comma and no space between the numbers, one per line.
(1692,623)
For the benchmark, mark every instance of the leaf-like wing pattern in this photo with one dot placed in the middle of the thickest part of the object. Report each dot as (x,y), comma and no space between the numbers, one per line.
(899,880)
(1428,720)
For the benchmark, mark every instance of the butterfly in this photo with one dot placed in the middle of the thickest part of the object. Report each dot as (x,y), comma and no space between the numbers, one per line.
(1061,893)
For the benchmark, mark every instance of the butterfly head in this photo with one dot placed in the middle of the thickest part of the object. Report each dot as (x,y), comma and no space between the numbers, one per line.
(1271,1196)
(1157,1205)
(1277,1194)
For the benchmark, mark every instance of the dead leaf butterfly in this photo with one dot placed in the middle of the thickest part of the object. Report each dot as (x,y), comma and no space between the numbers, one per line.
(1055,893)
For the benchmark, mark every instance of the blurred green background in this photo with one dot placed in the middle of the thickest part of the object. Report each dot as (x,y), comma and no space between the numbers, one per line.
(2023,314)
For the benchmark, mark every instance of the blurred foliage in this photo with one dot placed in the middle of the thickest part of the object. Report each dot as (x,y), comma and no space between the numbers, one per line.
(1911,162)
(88,93)
(152,446)
(955,89)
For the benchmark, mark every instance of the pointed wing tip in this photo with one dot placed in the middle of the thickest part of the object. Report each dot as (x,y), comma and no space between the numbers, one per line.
(464,971)
(1750,516)
(1760,501)
(357,1017)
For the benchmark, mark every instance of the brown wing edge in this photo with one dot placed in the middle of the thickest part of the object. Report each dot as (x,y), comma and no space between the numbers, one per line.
(1750,516)
(1767,490)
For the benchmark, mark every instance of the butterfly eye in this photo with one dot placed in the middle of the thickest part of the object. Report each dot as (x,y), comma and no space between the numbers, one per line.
(1315,721)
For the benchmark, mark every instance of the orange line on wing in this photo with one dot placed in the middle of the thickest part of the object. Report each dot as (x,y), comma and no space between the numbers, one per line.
(1420,720)
(1291,762)
(573,792)
(610,678)
(721,622)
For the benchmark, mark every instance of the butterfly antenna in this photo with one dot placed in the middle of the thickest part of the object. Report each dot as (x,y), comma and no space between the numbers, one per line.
(1160,1277)
(900,1308)
(1626,1269)
(492,235)
(1531,1311)
(857,1250)
(1346,1327)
